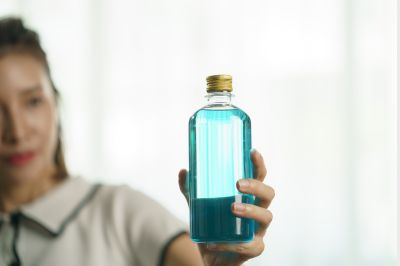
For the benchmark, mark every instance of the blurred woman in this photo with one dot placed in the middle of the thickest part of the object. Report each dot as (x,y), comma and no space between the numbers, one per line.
(48,217)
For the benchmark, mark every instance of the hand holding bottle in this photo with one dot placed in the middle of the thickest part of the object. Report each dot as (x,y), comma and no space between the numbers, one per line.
(237,254)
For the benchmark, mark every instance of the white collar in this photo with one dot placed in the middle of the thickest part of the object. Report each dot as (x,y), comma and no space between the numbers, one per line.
(54,210)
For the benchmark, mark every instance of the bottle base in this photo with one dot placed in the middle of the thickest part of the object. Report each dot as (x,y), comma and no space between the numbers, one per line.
(223,241)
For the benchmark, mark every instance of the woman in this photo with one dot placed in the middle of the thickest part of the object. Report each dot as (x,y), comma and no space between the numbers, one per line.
(50,218)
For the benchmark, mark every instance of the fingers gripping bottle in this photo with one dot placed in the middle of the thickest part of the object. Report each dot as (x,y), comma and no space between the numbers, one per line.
(219,155)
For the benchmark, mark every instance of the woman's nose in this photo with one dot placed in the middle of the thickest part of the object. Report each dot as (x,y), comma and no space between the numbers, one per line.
(13,129)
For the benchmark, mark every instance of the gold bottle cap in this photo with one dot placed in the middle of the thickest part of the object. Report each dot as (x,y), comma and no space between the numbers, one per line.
(219,83)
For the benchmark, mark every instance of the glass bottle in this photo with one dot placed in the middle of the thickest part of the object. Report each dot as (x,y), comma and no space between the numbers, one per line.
(219,155)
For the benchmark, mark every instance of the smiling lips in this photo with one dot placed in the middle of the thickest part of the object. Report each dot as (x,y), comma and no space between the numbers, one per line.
(20,159)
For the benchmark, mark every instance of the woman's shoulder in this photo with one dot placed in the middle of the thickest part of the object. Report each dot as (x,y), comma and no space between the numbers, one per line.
(120,193)
(141,225)
(120,199)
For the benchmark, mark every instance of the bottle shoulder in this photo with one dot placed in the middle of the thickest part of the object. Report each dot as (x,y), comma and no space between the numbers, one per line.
(217,112)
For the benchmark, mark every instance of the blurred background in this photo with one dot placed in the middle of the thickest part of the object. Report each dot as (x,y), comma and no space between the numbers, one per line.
(318,79)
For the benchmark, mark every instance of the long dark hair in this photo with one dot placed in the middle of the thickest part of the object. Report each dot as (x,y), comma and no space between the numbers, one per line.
(15,37)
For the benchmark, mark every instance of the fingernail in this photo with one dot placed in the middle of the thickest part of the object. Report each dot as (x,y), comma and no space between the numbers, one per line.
(244,183)
(239,207)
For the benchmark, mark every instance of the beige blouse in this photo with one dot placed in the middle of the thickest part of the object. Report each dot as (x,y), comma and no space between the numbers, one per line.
(83,224)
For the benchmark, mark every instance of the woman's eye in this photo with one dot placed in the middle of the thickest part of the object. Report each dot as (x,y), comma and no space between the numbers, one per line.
(35,101)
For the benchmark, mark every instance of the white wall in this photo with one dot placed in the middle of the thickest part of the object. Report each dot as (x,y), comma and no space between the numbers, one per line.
(316,77)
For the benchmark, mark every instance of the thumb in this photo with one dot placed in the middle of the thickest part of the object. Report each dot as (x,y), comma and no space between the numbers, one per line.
(182,184)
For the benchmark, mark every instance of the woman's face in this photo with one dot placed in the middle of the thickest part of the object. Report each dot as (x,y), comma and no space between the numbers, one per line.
(28,120)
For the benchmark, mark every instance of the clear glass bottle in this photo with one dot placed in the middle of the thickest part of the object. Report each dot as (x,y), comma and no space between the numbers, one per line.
(219,155)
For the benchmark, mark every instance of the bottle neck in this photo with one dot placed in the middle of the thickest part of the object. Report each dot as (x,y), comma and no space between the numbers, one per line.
(219,98)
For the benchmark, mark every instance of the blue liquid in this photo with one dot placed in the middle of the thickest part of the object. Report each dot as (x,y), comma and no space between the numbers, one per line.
(214,221)
(219,155)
